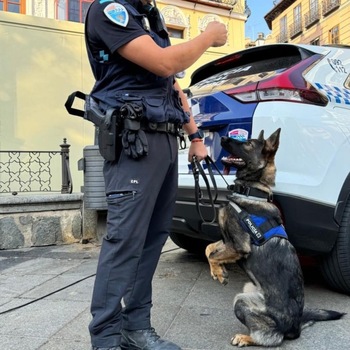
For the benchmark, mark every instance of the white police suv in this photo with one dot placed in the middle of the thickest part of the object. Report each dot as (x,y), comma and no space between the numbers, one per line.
(305,91)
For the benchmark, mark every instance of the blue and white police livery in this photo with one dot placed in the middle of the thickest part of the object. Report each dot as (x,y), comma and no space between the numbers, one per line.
(305,91)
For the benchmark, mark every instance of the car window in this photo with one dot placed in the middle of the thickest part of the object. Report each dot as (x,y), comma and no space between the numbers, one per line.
(244,75)
(252,61)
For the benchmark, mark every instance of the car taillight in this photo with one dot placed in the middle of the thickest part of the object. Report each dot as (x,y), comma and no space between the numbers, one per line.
(288,85)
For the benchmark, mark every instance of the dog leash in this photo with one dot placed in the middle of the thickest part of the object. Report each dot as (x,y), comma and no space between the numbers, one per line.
(197,171)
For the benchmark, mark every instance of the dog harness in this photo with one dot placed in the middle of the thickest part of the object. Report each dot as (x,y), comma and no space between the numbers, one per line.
(260,229)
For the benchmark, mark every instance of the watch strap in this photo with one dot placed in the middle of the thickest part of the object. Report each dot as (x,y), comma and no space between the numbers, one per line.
(196,135)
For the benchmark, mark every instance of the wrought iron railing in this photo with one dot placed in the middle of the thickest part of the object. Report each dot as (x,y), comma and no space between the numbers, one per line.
(312,16)
(329,5)
(226,3)
(282,37)
(230,3)
(35,171)
(295,28)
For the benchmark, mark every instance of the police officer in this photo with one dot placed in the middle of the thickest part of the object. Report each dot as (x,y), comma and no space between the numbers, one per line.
(134,68)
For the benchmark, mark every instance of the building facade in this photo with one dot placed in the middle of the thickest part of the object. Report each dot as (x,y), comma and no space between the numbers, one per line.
(316,22)
(184,19)
(43,60)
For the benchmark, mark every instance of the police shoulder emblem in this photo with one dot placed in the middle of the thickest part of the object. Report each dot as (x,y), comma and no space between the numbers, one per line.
(117,14)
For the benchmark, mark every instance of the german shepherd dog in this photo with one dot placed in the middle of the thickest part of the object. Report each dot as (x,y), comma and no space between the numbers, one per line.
(272,304)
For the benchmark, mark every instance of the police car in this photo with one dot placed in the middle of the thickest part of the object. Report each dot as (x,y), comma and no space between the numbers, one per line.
(305,91)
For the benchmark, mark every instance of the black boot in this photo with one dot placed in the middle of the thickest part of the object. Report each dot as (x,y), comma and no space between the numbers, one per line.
(145,339)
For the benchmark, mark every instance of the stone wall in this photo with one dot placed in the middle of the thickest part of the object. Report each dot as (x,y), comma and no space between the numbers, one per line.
(39,220)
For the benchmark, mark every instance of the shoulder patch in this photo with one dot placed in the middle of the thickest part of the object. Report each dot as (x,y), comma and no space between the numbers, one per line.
(117,13)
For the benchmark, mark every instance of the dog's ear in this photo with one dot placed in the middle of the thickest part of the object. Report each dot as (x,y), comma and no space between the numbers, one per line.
(272,143)
(261,136)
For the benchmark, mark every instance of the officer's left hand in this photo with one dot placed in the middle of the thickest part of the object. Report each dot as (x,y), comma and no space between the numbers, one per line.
(197,149)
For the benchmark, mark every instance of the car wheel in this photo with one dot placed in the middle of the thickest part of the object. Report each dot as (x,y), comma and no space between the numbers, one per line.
(336,266)
(192,245)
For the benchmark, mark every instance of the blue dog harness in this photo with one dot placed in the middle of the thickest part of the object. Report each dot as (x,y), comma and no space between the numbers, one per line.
(260,229)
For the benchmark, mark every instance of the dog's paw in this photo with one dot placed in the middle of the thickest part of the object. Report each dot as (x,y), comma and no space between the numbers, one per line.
(241,340)
(219,273)
(223,279)
(213,275)
(214,272)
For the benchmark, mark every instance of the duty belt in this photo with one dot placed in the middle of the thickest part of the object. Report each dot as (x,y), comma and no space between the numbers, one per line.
(171,128)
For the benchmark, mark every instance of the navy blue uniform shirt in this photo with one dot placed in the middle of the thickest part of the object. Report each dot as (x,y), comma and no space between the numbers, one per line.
(112,72)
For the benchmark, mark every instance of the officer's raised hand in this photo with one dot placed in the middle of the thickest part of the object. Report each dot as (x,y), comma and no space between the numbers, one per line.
(218,31)
(170,60)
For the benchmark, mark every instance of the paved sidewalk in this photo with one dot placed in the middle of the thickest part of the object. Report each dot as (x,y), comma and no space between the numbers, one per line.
(45,297)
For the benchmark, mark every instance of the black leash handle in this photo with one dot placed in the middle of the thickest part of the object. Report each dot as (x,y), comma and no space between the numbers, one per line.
(198,170)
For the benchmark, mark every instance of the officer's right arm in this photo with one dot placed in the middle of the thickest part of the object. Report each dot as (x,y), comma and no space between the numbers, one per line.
(165,62)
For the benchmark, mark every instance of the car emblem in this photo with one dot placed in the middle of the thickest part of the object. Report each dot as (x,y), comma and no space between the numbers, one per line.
(238,134)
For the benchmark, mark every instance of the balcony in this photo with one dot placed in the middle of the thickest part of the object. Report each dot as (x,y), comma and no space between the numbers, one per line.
(282,37)
(230,3)
(227,4)
(312,17)
(329,6)
(295,28)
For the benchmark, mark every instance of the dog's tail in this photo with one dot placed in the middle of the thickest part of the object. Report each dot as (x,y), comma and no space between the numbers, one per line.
(310,316)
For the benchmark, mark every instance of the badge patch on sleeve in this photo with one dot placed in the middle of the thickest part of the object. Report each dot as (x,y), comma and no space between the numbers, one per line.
(117,14)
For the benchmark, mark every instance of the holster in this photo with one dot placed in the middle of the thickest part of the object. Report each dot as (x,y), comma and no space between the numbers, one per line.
(108,127)
(108,134)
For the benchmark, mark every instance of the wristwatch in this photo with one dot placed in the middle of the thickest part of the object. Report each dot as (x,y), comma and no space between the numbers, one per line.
(197,135)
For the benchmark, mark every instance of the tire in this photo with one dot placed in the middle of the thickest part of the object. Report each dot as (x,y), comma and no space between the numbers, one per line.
(335,267)
(192,245)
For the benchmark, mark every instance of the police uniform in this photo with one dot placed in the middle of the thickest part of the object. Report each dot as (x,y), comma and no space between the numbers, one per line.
(140,193)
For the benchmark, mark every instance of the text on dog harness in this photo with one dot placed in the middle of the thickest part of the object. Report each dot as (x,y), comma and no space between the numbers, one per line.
(259,228)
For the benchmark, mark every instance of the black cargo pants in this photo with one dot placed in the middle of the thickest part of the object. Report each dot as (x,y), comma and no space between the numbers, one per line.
(141,197)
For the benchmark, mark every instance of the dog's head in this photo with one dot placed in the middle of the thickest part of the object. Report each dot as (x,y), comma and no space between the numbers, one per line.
(254,159)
